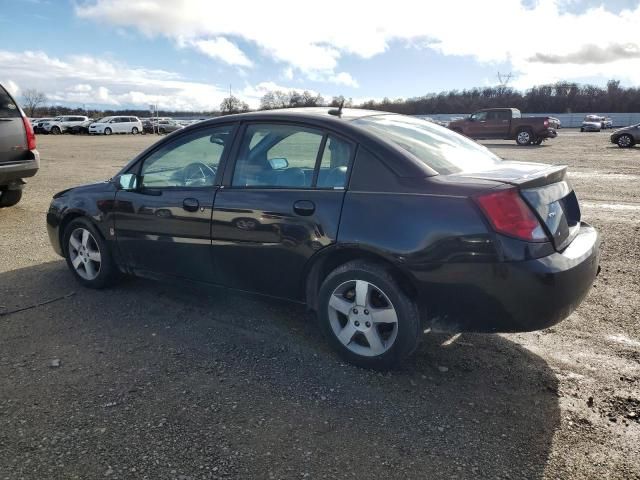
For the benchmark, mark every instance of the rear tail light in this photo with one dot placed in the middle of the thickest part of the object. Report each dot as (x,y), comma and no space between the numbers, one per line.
(546,122)
(509,215)
(31,137)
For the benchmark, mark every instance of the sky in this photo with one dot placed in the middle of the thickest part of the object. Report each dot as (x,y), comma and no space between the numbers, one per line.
(189,54)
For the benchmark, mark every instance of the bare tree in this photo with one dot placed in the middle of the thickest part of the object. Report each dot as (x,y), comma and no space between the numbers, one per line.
(233,104)
(32,99)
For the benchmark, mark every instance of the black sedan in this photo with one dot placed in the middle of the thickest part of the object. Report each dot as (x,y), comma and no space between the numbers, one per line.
(383,224)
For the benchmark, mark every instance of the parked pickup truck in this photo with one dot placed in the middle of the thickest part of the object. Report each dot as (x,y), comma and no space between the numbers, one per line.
(506,124)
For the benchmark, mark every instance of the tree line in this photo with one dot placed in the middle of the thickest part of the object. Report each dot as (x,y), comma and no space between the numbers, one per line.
(561,97)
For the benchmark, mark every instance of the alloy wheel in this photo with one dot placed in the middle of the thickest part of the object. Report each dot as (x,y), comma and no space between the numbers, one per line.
(524,138)
(624,141)
(363,318)
(84,253)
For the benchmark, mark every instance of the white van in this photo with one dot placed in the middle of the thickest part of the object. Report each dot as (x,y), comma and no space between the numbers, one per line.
(109,125)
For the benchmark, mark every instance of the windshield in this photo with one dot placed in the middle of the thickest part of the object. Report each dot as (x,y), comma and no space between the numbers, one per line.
(438,147)
(103,120)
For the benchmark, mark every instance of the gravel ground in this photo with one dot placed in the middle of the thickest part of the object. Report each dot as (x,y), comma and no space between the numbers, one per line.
(161,381)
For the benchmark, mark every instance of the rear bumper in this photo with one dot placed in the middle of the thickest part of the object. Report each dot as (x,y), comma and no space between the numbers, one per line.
(548,133)
(15,171)
(512,296)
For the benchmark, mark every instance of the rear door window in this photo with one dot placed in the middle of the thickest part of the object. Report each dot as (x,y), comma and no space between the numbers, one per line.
(281,156)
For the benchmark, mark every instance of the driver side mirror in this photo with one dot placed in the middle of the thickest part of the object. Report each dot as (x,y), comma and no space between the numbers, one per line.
(278,163)
(128,182)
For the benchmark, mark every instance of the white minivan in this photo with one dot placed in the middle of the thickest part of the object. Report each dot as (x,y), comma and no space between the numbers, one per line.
(109,125)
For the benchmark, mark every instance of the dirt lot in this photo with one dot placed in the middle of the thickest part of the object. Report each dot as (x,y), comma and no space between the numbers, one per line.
(164,381)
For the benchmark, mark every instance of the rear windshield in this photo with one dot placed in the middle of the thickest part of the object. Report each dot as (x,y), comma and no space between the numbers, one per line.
(438,147)
(8,109)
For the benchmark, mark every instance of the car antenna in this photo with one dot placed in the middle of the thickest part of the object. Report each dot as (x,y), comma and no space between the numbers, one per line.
(337,111)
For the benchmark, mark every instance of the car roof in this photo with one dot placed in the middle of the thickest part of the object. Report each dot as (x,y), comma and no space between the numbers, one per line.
(400,161)
(307,113)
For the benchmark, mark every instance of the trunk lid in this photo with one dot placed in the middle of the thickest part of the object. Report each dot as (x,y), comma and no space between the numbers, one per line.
(13,138)
(546,190)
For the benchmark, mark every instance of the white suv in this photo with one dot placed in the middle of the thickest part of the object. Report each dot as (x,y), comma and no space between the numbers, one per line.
(61,124)
(109,125)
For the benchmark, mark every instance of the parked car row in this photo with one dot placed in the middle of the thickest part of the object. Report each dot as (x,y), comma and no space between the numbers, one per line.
(78,124)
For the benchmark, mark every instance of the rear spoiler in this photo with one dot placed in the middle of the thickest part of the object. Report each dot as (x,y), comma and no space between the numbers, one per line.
(553,174)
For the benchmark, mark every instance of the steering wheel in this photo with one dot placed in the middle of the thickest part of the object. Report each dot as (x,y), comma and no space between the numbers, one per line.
(198,174)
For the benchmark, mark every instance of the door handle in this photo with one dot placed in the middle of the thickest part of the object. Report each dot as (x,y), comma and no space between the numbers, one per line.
(190,204)
(304,207)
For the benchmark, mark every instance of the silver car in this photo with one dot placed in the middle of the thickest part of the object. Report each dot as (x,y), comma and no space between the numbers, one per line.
(626,137)
(19,158)
(168,126)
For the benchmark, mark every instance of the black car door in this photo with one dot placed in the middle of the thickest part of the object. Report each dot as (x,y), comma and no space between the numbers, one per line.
(164,224)
(281,203)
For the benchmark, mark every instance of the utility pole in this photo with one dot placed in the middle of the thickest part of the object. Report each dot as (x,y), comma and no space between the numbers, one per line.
(504,79)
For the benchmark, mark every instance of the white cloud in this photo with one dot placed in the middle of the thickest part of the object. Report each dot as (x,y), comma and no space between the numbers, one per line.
(84,79)
(344,78)
(222,49)
(488,31)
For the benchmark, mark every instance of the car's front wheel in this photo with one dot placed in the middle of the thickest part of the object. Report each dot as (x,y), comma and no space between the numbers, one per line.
(625,141)
(107,131)
(134,130)
(56,130)
(366,317)
(88,256)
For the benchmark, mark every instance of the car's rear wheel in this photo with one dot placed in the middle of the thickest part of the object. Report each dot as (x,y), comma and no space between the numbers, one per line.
(366,317)
(9,198)
(134,130)
(55,130)
(107,131)
(524,137)
(625,141)
(88,256)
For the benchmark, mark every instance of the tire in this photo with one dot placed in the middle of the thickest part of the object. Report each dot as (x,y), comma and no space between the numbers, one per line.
(537,141)
(55,130)
(582,129)
(340,311)
(107,131)
(82,250)
(9,198)
(161,131)
(524,137)
(134,131)
(625,141)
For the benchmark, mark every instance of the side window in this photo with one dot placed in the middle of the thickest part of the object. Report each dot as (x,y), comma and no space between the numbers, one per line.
(480,116)
(8,109)
(335,163)
(190,161)
(277,156)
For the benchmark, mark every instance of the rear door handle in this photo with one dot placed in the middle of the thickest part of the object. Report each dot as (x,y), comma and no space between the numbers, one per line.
(190,204)
(304,207)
